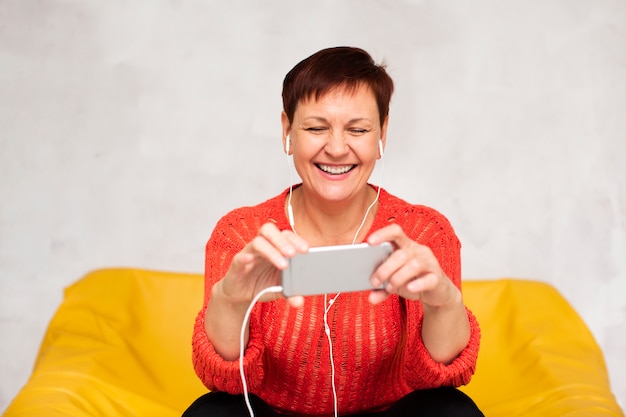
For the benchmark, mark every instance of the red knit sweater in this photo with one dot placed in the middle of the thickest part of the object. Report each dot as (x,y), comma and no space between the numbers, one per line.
(378,350)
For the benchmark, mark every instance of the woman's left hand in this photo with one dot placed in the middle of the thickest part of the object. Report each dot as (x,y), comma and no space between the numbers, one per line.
(411,271)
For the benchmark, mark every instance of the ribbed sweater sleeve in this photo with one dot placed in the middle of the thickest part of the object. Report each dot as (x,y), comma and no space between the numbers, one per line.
(230,235)
(429,227)
(422,371)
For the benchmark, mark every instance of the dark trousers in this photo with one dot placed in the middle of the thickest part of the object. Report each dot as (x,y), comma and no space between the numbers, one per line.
(436,402)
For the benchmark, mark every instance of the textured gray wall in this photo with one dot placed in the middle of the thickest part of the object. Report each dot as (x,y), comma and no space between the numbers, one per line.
(128,128)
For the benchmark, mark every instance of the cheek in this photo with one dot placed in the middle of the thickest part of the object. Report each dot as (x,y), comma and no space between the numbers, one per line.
(367,152)
(301,163)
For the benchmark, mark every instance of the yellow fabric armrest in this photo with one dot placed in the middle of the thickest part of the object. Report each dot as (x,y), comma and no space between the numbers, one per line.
(119,345)
(537,357)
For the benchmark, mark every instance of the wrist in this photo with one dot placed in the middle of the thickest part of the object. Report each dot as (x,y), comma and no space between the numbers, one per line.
(451,302)
(221,295)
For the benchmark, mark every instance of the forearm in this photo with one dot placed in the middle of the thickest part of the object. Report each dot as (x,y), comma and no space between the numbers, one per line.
(223,323)
(446,329)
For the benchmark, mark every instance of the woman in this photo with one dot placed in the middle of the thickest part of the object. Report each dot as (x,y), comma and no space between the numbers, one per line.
(397,352)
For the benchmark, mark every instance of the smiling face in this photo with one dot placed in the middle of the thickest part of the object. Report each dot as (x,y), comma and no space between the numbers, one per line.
(334,141)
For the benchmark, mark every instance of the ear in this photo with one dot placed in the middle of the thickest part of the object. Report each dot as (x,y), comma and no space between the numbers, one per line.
(286,133)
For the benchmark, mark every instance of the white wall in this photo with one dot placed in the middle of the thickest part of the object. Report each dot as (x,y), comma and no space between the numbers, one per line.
(128,128)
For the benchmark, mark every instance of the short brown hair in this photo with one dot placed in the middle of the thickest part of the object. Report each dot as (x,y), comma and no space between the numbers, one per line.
(330,68)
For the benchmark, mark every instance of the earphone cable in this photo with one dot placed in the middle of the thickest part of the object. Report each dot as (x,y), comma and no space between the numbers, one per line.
(244,325)
(280,289)
(367,212)
(330,348)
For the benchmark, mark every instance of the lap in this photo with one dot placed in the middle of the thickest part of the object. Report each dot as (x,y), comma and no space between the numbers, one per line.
(436,402)
(221,404)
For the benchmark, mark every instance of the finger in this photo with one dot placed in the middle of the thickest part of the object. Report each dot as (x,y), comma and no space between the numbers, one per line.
(377,296)
(388,270)
(392,233)
(299,244)
(421,284)
(275,237)
(262,248)
(296,301)
(240,261)
(286,241)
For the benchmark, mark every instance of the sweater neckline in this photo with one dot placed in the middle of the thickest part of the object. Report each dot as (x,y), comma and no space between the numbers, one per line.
(379,218)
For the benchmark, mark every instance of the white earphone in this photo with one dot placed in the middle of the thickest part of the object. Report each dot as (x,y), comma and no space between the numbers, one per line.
(328,304)
(289,207)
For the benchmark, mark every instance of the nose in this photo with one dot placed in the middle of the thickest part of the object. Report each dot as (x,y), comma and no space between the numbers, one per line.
(337,145)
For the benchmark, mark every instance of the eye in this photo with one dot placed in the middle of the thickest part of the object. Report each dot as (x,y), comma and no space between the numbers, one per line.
(316,129)
(358,131)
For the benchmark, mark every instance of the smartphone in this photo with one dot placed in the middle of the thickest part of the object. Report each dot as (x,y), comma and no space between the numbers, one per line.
(333,269)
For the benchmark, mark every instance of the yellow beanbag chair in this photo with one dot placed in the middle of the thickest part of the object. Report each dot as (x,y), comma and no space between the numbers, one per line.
(120,345)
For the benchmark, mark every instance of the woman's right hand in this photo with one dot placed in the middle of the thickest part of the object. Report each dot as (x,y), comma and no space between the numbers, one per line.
(255,268)
(259,265)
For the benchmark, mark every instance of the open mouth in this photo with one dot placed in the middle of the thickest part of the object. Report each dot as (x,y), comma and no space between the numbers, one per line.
(335,169)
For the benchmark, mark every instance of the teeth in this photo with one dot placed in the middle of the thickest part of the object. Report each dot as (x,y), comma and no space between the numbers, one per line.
(335,170)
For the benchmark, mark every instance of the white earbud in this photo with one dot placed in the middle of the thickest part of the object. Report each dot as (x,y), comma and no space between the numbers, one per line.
(289,207)
(380,147)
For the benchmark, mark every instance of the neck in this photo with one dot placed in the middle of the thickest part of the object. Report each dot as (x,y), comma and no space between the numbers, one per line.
(324,223)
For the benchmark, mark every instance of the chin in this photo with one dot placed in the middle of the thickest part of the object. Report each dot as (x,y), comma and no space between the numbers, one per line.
(340,192)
